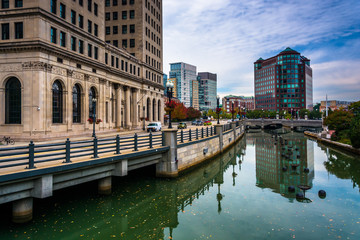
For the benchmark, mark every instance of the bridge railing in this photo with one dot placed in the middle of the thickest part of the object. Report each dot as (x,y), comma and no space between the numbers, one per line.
(195,134)
(34,154)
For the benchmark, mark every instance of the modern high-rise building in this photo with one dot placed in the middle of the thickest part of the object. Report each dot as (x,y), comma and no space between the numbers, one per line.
(55,62)
(283,82)
(136,26)
(207,90)
(195,94)
(184,74)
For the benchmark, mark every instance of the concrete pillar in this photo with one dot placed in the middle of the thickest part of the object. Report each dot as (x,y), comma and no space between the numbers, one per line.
(104,186)
(22,210)
(219,131)
(135,120)
(121,169)
(168,166)
(233,127)
(118,107)
(127,108)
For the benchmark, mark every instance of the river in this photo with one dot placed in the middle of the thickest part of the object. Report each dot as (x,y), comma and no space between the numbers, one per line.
(243,194)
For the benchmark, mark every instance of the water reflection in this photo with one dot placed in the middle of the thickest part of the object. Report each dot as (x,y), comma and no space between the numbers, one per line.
(283,161)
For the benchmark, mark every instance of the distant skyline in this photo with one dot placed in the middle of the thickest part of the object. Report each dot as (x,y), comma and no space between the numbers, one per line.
(227,36)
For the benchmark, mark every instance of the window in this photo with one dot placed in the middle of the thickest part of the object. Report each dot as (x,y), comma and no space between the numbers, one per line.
(124,43)
(115,29)
(115,15)
(81,46)
(81,21)
(131,2)
(117,63)
(124,14)
(89,26)
(81,2)
(92,106)
(57,102)
(116,43)
(115,2)
(4,3)
(13,101)
(132,28)
(62,39)
(106,58)
(132,43)
(73,43)
(96,52)
(107,16)
(123,2)
(112,61)
(76,104)
(95,29)
(89,50)
(95,9)
(107,30)
(122,65)
(107,3)
(53,35)
(19,33)
(53,6)
(5,31)
(89,5)
(124,29)
(62,11)
(73,17)
(132,14)
(18,3)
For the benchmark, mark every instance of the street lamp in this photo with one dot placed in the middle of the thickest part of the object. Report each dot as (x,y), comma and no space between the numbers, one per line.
(217,108)
(94,115)
(233,110)
(169,90)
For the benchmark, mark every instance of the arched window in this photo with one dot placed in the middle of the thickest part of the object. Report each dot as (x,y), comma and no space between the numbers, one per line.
(159,110)
(57,102)
(13,101)
(92,95)
(76,104)
(148,109)
(153,110)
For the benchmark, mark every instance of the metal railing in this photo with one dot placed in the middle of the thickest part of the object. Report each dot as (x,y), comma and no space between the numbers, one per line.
(195,134)
(69,150)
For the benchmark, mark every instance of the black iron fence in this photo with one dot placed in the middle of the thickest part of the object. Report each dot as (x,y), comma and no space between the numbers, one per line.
(195,134)
(33,154)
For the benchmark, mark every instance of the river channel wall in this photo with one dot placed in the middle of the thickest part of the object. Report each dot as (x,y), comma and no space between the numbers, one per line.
(338,145)
(193,153)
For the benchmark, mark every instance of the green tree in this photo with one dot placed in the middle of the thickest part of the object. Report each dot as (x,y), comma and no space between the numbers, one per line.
(339,120)
(355,108)
(317,107)
(304,112)
(354,134)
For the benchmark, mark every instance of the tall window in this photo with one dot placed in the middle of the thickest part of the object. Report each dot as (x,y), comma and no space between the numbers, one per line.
(5,31)
(13,101)
(57,102)
(132,14)
(62,11)
(76,104)
(89,5)
(73,17)
(95,9)
(18,3)
(96,29)
(124,14)
(53,6)
(107,3)
(19,32)
(124,29)
(89,26)
(89,50)
(92,95)
(81,46)
(132,43)
(53,35)
(96,53)
(81,21)
(73,43)
(4,3)
(62,39)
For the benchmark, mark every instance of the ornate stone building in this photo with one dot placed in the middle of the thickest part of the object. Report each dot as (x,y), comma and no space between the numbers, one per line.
(54,61)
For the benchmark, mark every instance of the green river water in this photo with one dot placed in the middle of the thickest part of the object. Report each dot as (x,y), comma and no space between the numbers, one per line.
(242,194)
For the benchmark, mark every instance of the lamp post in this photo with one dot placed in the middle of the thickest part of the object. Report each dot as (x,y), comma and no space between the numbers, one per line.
(217,108)
(232,110)
(169,89)
(94,115)
(143,118)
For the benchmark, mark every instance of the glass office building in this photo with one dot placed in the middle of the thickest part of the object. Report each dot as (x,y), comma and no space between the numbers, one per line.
(207,90)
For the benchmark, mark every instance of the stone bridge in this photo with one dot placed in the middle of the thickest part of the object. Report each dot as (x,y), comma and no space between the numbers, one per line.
(283,122)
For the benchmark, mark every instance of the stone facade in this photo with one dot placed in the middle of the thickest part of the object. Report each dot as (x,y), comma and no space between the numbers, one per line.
(48,47)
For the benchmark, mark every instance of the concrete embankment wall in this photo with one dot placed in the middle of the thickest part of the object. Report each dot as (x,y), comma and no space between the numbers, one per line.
(325,141)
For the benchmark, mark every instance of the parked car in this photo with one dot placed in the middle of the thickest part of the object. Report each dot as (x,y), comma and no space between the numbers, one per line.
(153,127)
(182,125)
(199,123)
(194,122)
(206,123)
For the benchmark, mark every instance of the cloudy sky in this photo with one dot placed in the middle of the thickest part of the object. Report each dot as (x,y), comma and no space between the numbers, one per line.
(227,36)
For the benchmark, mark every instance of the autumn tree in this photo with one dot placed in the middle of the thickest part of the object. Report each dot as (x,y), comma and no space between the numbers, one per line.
(180,112)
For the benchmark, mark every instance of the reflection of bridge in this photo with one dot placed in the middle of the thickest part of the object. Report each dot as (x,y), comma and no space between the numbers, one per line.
(283,122)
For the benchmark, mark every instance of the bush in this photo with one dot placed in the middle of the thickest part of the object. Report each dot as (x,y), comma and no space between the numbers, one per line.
(355,133)
(334,137)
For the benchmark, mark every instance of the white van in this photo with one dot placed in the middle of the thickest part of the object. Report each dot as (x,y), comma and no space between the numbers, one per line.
(153,126)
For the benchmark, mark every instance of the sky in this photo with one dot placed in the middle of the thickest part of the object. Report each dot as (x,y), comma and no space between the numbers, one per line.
(226,37)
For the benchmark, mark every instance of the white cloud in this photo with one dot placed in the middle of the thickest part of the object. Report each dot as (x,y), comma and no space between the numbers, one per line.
(227,36)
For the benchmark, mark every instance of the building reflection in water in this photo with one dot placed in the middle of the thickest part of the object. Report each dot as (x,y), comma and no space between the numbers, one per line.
(280,164)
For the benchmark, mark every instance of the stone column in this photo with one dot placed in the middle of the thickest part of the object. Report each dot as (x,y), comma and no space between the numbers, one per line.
(156,111)
(22,210)
(2,107)
(219,131)
(127,108)
(104,186)
(135,120)
(233,127)
(118,107)
(168,166)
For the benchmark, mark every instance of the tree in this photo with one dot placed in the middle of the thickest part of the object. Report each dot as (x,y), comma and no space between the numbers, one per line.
(314,114)
(339,120)
(304,112)
(317,107)
(354,134)
(180,112)
(355,108)
(193,113)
